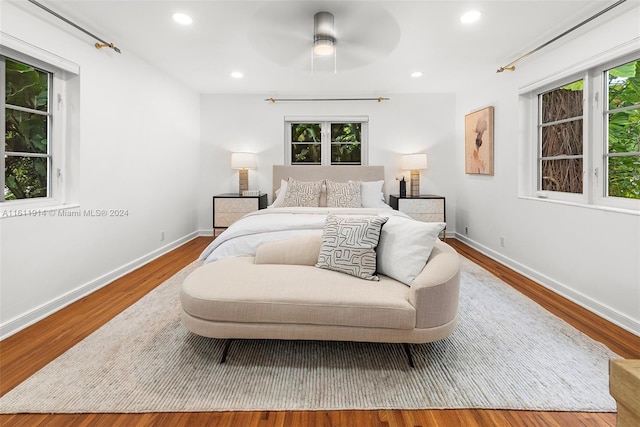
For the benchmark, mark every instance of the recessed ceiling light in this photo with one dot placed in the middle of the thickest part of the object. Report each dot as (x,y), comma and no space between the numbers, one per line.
(470,16)
(416,74)
(236,75)
(182,18)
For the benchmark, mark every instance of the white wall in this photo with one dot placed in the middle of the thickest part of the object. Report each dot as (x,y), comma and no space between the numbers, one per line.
(138,150)
(592,256)
(404,124)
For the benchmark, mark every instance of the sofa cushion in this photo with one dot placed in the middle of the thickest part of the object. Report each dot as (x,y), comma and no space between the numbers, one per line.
(237,290)
(349,243)
(296,251)
(405,246)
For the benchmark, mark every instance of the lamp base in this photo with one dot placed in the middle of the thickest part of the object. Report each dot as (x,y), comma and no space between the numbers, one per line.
(415,183)
(243,181)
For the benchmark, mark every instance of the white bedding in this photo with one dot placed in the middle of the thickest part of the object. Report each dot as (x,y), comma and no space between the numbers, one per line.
(244,237)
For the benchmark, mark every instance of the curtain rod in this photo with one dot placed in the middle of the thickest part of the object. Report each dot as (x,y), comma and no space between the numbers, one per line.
(57,15)
(511,66)
(273,100)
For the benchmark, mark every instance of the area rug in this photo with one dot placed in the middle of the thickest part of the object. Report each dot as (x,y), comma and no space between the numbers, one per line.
(506,353)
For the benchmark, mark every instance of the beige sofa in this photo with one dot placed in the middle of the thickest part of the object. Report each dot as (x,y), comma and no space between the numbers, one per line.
(280,294)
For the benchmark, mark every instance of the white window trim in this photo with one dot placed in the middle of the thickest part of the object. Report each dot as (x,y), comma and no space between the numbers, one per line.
(594,186)
(535,107)
(600,143)
(326,148)
(62,70)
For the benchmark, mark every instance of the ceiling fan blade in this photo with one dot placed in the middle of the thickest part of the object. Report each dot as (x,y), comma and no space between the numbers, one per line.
(284,32)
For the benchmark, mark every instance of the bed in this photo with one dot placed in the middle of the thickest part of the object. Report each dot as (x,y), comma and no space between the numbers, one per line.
(355,270)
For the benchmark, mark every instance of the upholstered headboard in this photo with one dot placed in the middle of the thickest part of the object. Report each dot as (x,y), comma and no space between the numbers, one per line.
(334,173)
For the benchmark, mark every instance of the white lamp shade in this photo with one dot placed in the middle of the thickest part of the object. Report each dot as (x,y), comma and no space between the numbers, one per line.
(414,161)
(243,161)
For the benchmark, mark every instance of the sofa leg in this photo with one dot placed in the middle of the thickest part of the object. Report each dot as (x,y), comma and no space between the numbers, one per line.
(227,344)
(407,350)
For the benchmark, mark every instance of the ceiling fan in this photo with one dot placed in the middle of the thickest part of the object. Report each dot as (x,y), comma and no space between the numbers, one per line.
(290,33)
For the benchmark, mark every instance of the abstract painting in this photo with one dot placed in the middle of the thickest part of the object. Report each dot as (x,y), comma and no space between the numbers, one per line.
(478,142)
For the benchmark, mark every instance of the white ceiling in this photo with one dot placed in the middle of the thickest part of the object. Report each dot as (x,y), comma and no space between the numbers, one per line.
(379,43)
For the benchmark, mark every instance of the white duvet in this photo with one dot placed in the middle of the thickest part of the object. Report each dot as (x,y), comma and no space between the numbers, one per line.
(269,225)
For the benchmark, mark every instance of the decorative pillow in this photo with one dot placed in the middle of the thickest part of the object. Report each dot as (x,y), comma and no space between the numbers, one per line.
(371,194)
(302,193)
(343,194)
(280,195)
(405,246)
(349,243)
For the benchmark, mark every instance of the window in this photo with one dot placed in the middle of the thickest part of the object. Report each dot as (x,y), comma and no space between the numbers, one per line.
(622,116)
(26,149)
(335,141)
(587,135)
(560,136)
(40,134)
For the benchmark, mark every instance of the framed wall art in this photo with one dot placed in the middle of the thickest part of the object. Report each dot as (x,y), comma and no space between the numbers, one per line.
(478,142)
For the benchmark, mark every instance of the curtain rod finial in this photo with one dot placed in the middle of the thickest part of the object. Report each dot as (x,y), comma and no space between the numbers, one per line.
(501,69)
(110,45)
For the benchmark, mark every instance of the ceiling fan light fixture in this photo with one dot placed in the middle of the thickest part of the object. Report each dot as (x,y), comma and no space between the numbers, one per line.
(323,47)
(323,34)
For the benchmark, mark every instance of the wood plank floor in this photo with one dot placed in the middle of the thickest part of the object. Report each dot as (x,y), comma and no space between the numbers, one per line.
(24,353)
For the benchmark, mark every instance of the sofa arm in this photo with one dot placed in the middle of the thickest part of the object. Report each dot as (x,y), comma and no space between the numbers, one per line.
(436,291)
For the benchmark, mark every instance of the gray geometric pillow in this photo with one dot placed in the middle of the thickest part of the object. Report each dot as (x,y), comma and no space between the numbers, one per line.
(343,194)
(349,245)
(302,193)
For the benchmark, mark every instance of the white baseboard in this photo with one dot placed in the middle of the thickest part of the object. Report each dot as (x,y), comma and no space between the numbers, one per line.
(604,311)
(29,318)
(205,232)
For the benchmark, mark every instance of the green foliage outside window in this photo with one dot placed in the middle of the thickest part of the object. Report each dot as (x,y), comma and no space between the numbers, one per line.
(26,148)
(345,140)
(345,143)
(624,130)
(306,143)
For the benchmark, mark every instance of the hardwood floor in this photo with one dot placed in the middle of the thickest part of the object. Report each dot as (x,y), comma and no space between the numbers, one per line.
(24,353)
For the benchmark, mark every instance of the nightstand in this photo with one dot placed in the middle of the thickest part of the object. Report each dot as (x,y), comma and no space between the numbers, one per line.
(230,207)
(426,208)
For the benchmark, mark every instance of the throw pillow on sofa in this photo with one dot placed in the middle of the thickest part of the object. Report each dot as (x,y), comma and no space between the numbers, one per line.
(349,245)
(405,246)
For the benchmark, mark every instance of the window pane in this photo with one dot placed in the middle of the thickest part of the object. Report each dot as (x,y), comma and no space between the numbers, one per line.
(624,131)
(562,139)
(346,154)
(26,86)
(562,103)
(346,132)
(624,85)
(562,175)
(25,132)
(624,177)
(25,177)
(345,143)
(302,133)
(305,153)
(306,132)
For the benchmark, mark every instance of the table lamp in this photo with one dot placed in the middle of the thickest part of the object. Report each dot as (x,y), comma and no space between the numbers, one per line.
(414,163)
(243,162)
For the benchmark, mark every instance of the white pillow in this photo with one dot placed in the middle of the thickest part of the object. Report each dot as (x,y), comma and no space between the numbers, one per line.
(371,194)
(281,193)
(405,246)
